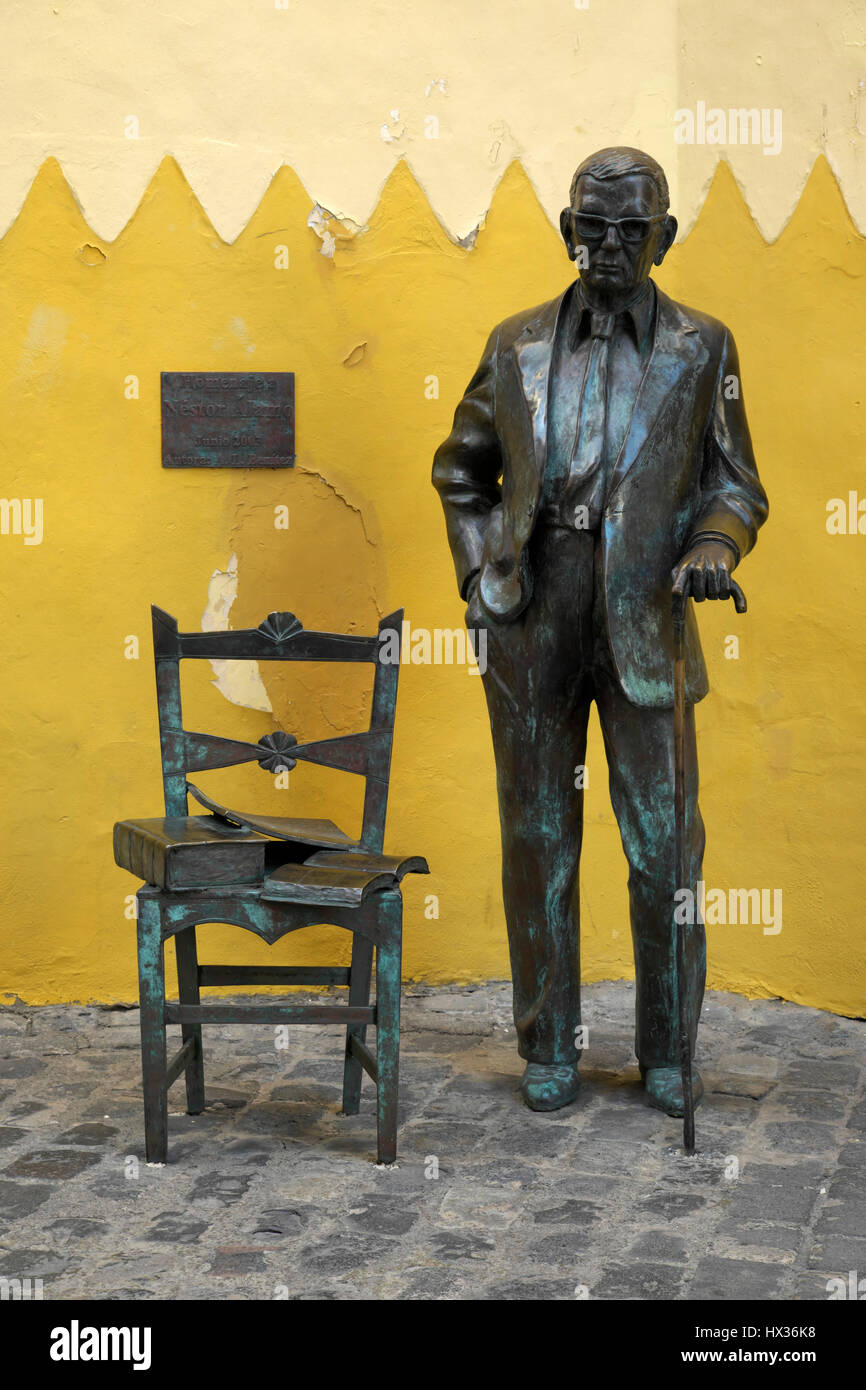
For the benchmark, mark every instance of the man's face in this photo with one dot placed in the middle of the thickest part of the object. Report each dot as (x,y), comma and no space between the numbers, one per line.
(617,259)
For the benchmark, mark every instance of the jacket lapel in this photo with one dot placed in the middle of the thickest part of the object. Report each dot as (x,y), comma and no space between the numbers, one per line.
(533,350)
(675,348)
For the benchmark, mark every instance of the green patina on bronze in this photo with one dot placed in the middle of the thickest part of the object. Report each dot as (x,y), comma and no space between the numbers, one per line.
(270,875)
(599,461)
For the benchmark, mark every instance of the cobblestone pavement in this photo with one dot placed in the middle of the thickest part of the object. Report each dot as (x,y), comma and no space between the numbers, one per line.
(271,1193)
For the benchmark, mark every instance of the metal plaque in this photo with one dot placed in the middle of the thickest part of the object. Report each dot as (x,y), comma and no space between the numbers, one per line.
(228,419)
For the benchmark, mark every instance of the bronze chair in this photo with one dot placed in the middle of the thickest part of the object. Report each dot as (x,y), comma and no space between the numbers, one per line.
(269,875)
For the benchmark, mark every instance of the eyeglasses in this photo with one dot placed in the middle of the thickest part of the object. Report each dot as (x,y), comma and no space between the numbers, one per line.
(589,227)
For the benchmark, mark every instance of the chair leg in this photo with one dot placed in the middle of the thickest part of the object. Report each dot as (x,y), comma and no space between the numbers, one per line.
(151,987)
(359,993)
(187,988)
(388,957)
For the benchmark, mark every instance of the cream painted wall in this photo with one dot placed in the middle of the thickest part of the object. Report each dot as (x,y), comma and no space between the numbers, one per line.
(235,88)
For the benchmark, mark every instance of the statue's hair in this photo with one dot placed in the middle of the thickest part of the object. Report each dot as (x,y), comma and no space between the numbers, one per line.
(616,162)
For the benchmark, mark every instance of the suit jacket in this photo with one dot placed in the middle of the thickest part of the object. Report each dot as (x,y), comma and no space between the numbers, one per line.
(686,465)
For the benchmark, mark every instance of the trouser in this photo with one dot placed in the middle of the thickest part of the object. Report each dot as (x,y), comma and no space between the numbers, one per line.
(543,672)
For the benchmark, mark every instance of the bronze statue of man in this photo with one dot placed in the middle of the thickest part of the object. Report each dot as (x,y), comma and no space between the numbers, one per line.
(599,458)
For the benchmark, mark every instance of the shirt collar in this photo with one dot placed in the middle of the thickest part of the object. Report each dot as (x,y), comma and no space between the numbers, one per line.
(638,316)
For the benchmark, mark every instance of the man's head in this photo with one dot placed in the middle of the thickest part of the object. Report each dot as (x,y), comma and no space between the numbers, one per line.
(619,219)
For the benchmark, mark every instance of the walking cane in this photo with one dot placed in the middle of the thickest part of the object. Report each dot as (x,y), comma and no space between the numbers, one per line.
(679,617)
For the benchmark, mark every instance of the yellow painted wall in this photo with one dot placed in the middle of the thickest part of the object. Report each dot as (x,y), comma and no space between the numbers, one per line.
(781,738)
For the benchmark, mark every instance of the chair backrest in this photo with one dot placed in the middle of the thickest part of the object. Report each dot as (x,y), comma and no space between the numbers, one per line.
(281,637)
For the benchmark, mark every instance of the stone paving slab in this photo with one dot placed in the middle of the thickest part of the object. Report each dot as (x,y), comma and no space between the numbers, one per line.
(271,1193)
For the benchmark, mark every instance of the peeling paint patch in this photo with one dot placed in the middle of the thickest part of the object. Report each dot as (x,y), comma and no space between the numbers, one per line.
(239,681)
(502,140)
(332,487)
(393,129)
(353,507)
(332,227)
(469,240)
(91,255)
(319,219)
(356,355)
